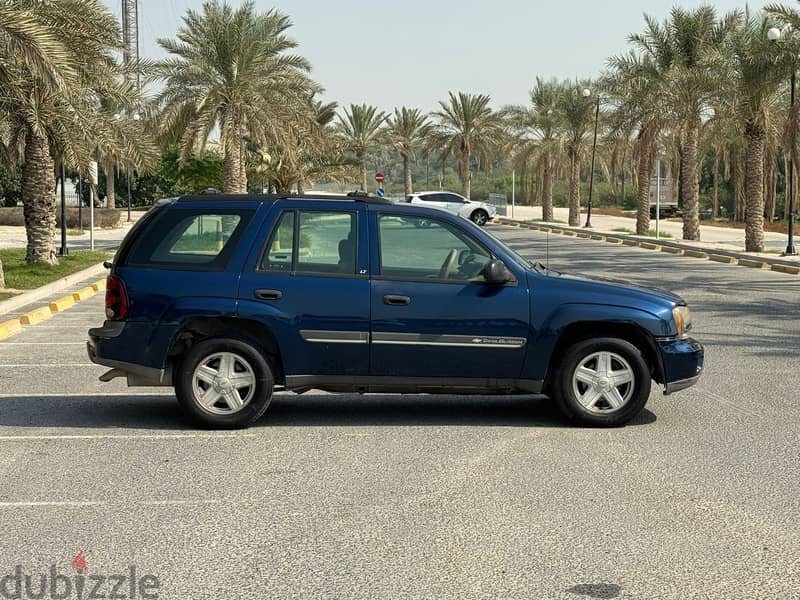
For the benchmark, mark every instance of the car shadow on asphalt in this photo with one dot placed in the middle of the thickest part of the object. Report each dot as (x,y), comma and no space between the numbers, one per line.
(289,410)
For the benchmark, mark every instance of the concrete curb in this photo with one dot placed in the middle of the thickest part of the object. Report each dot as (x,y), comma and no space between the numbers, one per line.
(10,305)
(664,245)
(46,312)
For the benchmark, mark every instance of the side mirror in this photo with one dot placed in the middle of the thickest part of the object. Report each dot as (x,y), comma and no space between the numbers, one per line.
(496,272)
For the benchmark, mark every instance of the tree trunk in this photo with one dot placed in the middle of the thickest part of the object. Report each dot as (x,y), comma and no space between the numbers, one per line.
(643,204)
(407,175)
(715,193)
(466,174)
(362,165)
(574,188)
(739,193)
(754,221)
(2,276)
(690,183)
(300,187)
(645,167)
(111,190)
(547,190)
(38,200)
(235,180)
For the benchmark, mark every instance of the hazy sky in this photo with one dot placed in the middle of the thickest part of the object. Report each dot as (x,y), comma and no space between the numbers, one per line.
(412,52)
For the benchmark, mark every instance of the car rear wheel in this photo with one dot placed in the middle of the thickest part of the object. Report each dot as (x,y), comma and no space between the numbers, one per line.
(603,382)
(224,383)
(480,217)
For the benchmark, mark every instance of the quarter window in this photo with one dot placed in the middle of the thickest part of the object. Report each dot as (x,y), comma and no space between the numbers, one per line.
(418,248)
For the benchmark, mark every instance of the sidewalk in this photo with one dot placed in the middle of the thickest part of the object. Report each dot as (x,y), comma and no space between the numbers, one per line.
(712,238)
(14,237)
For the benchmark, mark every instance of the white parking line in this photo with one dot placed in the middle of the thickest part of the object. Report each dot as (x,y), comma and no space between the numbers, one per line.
(122,436)
(107,503)
(95,395)
(38,365)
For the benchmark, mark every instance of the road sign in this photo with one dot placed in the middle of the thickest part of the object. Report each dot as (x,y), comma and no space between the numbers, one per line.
(379,177)
(380,192)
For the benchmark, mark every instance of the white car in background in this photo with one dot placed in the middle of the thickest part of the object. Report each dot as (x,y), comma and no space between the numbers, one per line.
(477,212)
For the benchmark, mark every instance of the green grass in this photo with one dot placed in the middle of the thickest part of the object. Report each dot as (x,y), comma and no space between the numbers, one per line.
(651,233)
(22,276)
(6,295)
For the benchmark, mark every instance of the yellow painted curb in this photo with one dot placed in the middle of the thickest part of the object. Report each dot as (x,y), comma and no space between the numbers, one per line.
(786,269)
(9,327)
(585,236)
(755,264)
(36,316)
(83,294)
(99,285)
(721,258)
(649,246)
(568,232)
(614,241)
(599,238)
(671,250)
(630,242)
(695,254)
(62,304)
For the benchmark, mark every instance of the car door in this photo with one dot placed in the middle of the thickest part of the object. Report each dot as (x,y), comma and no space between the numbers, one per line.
(434,201)
(433,314)
(454,203)
(307,280)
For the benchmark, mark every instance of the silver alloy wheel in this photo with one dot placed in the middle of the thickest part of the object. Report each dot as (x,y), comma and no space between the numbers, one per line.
(479,217)
(603,382)
(223,383)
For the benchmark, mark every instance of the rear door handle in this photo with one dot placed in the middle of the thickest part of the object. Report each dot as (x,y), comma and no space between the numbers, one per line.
(269,294)
(395,300)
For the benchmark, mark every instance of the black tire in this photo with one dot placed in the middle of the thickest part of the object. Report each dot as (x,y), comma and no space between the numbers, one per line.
(479,217)
(247,414)
(563,385)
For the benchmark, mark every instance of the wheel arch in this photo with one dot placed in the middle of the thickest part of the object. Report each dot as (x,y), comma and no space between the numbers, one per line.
(630,332)
(196,329)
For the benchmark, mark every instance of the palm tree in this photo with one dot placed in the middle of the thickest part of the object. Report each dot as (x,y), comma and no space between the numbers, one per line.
(54,109)
(230,70)
(634,83)
(687,48)
(467,127)
(540,136)
(757,75)
(405,131)
(575,112)
(360,127)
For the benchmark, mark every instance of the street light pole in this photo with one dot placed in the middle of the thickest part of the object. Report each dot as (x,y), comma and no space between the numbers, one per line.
(63,251)
(774,35)
(591,172)
(128,177)
(790,249)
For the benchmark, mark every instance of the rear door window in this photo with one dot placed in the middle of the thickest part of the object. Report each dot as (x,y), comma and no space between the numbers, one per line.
(187,239)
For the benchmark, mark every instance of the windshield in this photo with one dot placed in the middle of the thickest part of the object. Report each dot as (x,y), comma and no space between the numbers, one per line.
(520,260)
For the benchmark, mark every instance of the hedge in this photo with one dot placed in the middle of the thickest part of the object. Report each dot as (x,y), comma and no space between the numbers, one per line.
(103,217)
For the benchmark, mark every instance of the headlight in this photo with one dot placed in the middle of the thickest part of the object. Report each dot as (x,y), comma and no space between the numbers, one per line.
(683,320)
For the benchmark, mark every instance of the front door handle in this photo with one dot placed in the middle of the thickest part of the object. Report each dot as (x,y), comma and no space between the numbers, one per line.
(395,300)
(269,294)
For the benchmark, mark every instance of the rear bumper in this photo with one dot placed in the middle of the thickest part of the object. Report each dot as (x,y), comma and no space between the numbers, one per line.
(107,346)
(683,363)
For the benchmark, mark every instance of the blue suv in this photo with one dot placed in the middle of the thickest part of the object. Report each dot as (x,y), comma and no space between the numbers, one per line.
(228,298)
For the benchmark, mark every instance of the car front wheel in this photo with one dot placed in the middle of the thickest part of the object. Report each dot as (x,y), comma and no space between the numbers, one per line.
(602,382)
(224,383)
(480,217)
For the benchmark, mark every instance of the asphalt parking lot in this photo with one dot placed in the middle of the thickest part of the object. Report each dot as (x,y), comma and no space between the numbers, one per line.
(387,496)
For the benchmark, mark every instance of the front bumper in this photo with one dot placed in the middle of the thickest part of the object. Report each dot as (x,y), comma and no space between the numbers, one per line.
(682,360)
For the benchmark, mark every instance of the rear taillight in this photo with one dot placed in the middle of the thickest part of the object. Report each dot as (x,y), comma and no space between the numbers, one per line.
(116,299)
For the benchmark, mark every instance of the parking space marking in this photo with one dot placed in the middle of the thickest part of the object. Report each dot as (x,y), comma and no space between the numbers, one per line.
(125,436)
(38,365)
(95,395)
